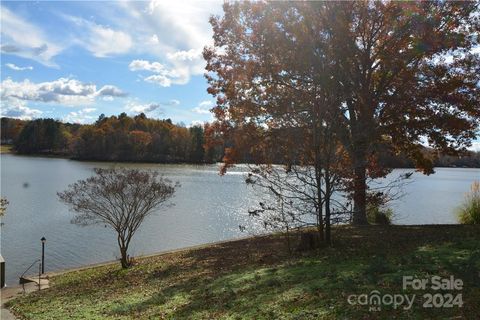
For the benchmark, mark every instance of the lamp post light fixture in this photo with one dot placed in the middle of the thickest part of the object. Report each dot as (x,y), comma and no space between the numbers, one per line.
(43,254)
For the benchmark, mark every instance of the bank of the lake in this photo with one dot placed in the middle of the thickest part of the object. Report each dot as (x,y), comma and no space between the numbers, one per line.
(256,278)
(208,208)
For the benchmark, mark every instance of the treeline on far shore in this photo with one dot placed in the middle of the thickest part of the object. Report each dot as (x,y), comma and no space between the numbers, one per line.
(468,159)
(138,138)
(114,138)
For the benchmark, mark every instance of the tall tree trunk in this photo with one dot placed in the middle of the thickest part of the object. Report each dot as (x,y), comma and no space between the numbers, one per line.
(320,221)
(318,168)
(124,259)
(123,252)
(328,193)
(360,196)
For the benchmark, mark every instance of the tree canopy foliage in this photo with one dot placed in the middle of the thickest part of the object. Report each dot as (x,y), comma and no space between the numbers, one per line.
(115,138)
(382,76)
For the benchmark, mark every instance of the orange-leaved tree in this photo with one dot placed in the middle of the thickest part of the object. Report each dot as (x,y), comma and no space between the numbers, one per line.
(392,75)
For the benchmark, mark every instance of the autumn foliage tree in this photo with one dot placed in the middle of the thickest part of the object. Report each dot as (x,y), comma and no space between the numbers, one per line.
(272,113)
(10,129)
(43,136)
(386,75)
(113,138)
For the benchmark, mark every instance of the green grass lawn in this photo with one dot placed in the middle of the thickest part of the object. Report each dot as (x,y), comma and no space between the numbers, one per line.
(257,279)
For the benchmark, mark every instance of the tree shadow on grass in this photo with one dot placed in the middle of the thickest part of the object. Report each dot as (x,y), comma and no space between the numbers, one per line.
(255,278)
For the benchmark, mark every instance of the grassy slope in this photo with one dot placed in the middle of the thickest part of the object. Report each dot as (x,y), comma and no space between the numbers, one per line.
(255,278)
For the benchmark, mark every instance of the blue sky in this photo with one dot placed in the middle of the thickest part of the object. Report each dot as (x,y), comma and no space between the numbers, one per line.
(76,60)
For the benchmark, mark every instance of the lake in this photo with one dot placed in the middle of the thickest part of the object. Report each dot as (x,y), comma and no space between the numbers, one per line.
(208,207)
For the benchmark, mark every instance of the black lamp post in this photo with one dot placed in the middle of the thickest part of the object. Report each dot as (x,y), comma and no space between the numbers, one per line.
(43,254)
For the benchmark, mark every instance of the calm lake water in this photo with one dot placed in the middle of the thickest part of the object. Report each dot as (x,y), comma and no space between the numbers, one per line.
(208,207)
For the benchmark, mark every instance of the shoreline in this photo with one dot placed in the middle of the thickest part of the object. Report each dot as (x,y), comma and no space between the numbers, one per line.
(141,257)
(216,243)
(53,156)
(67,157)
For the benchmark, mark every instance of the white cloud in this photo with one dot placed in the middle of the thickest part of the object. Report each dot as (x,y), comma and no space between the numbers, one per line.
(15,108)
(81,116)
(179,71)
(189,55)
(203,107)
(162,75)
(153,40)
(17,68)
(145,108)
(62,91)
(63,88)
(200,110)
(160,79)
(206,104)
(185,23)
(111,91)
(136,107)
(185,64)
(142,65)
(100,40)
(185,31)
(172,33)
(22,38)
(104,41)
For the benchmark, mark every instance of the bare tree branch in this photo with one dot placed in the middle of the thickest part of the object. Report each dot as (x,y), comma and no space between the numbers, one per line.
(119,198)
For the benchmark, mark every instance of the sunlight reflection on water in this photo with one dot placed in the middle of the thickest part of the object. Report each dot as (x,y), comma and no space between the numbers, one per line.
(208,207)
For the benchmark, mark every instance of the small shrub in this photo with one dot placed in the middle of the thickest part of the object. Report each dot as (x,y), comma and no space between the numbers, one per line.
(379,215)
(469,212)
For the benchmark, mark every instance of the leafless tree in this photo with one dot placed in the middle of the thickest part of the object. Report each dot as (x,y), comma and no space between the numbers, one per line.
(120,198)
(296,197)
